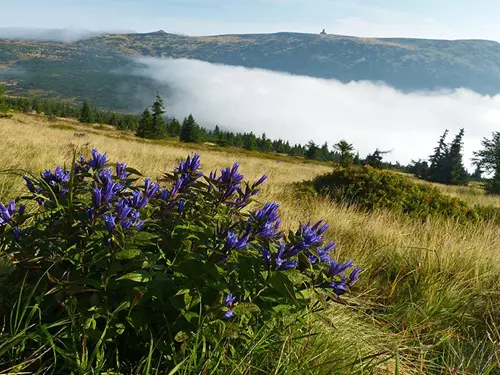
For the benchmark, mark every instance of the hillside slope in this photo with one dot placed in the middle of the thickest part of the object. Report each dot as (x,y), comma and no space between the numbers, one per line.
(87,67)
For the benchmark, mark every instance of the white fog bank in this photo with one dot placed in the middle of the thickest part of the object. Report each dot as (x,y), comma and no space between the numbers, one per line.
(300,109)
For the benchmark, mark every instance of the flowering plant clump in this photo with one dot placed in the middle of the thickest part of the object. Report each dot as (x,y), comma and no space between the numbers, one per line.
(127,260)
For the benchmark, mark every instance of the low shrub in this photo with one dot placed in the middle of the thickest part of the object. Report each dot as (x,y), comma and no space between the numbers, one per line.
(112,273)
(372,189)
(492,187)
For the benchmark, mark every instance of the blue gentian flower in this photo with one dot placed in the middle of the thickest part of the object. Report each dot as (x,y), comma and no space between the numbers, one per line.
(17,233)
(235,243)
(231,175)
(324,252)
(338,287)
(150,188)
(6,212)
(260,181)
(269,212)
(110,221)
(354,276)
(336,268)
(229,303)
(123,210)
(96,197)
(190,165)
(138,201)
(281,263)
(267,256)
(309,236)
(182,204)
(98,160)
(121,171)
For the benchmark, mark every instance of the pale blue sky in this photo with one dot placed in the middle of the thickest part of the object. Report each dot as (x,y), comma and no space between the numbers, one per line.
(450,19)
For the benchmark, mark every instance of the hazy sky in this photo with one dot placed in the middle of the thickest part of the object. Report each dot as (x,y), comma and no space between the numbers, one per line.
(450,19)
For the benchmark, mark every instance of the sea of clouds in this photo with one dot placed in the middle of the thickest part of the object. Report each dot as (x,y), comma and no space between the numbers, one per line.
(299,109)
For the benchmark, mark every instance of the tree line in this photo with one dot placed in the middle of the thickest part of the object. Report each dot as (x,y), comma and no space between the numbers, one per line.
(445,165)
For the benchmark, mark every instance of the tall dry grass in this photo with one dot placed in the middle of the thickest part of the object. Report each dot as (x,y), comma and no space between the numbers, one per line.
(429,290)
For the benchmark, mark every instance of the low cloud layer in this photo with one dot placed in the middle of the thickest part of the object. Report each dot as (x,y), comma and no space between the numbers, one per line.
(300,109)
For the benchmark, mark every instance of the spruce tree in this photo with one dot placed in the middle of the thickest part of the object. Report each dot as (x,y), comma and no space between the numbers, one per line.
(437,161)
(85,113)
(455,172)
(189,130)
(375,159)
(174,128)
(157,129)
(216,131)
(419,168)
(250,141)
(489,160)
(313,151)
(346,153)
(145,124)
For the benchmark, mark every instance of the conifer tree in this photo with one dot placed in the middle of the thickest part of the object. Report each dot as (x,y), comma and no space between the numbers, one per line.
(375,159)
(436,171)
(346,153)
(145,124)
(455,172)
(313,151)
(489,160)
(157,129)
(419,168)
(249,141)
(85,113)
(190,131)
(216,131)
(174,128)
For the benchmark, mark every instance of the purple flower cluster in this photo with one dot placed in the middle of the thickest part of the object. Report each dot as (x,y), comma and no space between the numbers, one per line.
(57,180)
(340,283)
(112,201)
(268,221)
(97,160)
(229,183)
(81,168)
(119,207)
(229,302)
(8,211)
(188,171)
(307,240)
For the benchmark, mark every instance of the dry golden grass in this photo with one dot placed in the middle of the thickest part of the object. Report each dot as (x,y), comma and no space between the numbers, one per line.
(35,143)
(459,257)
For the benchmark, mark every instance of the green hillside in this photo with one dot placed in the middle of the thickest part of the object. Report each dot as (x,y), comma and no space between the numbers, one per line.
(98,68)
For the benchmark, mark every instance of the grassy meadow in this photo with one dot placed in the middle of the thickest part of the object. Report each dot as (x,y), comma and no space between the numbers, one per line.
(427,301)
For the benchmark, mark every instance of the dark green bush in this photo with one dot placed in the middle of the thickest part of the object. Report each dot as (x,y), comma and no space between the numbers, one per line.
(372,189)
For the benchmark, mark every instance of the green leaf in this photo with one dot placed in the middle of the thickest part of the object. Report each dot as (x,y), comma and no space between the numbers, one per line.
(128,254)
(283,285)
(246,308)
(120,328)
(138,277)
(90,323)
(133,171)
(181,336)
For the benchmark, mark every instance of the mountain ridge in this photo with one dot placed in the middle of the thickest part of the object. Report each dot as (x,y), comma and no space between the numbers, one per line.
(407,64)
